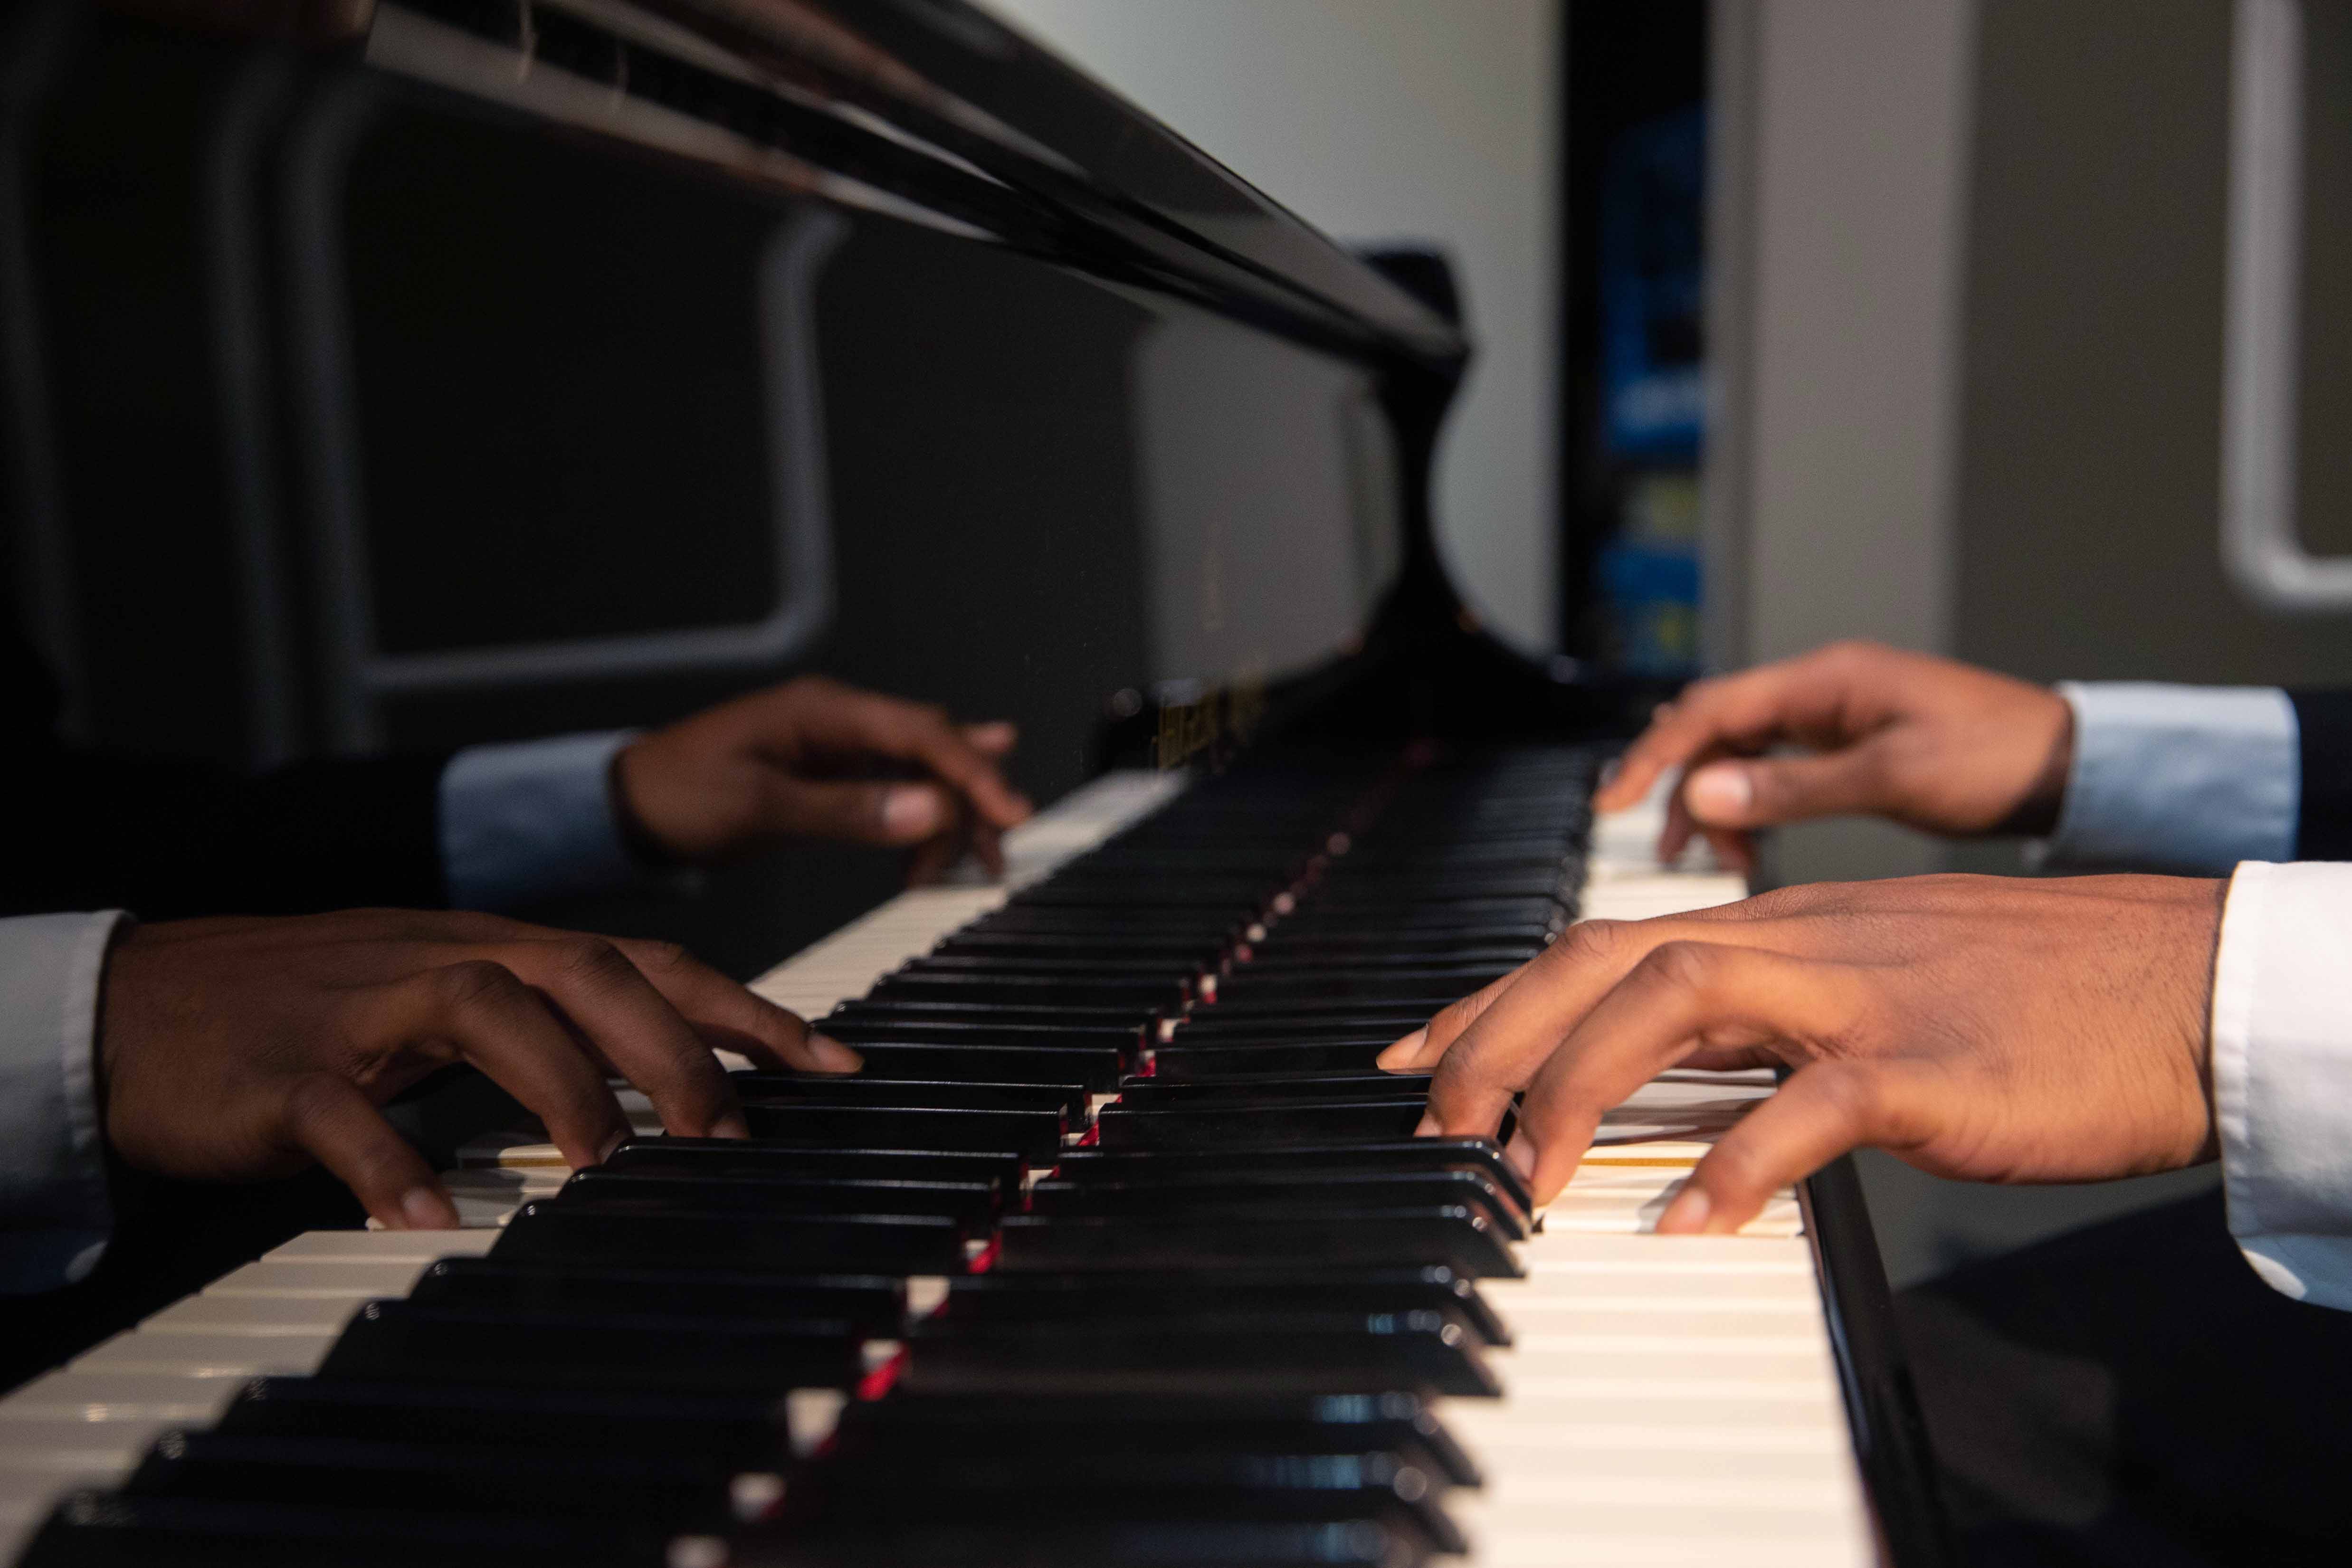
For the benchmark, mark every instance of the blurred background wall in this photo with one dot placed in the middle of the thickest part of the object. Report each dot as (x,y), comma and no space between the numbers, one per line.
(1382,119)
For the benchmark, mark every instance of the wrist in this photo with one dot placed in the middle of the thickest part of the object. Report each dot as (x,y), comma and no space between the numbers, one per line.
(2037,812)
(644,846)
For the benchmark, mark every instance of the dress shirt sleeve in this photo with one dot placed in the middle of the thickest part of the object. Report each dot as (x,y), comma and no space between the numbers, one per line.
(55,1215)
(2283,1074)
(532,820)
(2178,778)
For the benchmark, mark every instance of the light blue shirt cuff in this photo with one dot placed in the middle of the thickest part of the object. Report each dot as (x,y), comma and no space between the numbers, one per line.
(532,820)
(2179,779)
(54,1213)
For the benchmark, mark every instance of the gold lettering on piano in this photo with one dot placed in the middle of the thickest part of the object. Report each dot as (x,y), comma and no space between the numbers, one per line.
(1217,724)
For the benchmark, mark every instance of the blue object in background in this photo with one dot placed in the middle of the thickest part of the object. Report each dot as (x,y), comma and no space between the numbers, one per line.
(1652,289)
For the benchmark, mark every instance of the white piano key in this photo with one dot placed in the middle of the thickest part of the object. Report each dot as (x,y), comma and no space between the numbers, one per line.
(75,1447)
(380,1245)
(219,1354)
(98,1398)
(334,1280)
(224,1315)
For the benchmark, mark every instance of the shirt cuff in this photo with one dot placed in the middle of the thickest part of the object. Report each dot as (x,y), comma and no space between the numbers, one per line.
(530,820)
(2184,779)
(54,1206)
(2283,1074)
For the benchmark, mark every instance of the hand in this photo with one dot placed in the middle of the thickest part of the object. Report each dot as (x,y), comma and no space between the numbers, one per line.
(1988,1029)
(1924,741)
(798,760)
(238,1049)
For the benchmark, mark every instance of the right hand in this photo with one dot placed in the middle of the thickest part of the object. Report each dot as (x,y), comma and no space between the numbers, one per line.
(1924,741)
(237,1048)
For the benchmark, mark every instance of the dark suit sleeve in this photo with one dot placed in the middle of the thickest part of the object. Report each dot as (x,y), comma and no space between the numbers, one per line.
(2323,722)
(167,838)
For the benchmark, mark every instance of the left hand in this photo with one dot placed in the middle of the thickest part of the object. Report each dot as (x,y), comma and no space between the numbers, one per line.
(799,761)
(1988,1028)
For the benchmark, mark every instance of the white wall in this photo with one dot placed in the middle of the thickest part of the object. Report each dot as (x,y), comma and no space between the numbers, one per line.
(1387,119)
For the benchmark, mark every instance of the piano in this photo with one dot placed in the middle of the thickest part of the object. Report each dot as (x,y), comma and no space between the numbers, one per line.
(1118,1249)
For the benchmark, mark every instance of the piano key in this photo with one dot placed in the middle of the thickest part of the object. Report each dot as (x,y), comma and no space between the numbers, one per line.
(1252,1125)
(735,1431)
(1304,1161)
(665,1236)
(94,1530)
(1456,1235)
(875,1305)
(1033,1135)
(928,1093)
(1171,1094)
(412,1342)
(1039,1297)
(739,1157)
(1015,1053)
(974,1203)
(1238,1194)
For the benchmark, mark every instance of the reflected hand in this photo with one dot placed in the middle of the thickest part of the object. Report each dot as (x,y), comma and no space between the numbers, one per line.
(244,1048)
(795,760)
(1924,741)
(1988,1028)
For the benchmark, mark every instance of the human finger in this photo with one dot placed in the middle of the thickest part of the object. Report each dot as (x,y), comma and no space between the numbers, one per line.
(1807,698)
(488,1016)
(1682,997)
(887,726)
(1760,791)
(993,737)
(330,1120)
(1417,1050)
(711,1003)
(1499,1050)
(1824,1110)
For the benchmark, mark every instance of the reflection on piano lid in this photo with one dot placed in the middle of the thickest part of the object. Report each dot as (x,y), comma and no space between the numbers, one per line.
(909,1324)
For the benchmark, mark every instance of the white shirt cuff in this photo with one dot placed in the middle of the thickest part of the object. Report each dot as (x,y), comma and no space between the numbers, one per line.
(532,820)
(54,1213)
(2184,779)
(2283,1074)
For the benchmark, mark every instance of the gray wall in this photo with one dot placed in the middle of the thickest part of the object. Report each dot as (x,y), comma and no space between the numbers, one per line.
(1995,431)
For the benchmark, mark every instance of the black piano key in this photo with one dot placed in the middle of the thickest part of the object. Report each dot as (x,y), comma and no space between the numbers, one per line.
(1016,1298)
(1185,953)
(1293,1022)
(974,1203)
(1453,1235)
(872,1304)
(1036,1135)
(1482,1155)
(1244,1194)
(1174,1093)
(725,1430)
(100,1530)
(1257,1125)
(1145,995)
(1350,1054)
(1229,1538)
(996,1054)
(938,1094)
(392,1342)
(907,1423)
(663,1154)
(1303,1352)
(647,1487)
(664,1236)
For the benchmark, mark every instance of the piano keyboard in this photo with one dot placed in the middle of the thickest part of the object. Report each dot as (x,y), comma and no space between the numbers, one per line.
(1618,1397)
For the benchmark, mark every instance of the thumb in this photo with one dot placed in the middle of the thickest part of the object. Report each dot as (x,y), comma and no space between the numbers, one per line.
(871,812)
(1759,791)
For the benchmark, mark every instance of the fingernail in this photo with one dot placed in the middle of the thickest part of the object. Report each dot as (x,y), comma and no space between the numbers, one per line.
(731,1125)
(1427,1128)
(834,1056)
(1521,1153)
(911,811)
(1687,1215)
(1720,792)
(425,1208)
(1403,1052)
(996,733)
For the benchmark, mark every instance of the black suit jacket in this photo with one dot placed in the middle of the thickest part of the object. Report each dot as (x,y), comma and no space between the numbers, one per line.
(166,837)
(2323,828)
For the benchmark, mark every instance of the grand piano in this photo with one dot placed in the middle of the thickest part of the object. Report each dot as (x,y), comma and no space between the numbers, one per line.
(1119,1250)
